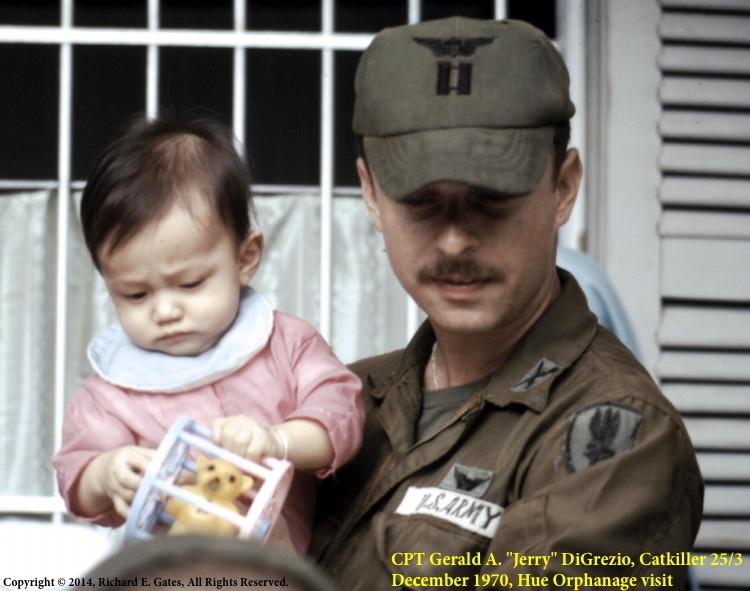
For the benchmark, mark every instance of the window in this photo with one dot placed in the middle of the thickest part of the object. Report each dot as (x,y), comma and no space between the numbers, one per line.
(280,73)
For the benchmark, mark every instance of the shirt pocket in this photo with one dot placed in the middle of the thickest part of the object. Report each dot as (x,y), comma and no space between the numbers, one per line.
(523,528)
(426,546)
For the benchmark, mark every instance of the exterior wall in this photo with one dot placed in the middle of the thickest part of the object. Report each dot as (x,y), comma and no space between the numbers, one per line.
(669,220)
(623,150)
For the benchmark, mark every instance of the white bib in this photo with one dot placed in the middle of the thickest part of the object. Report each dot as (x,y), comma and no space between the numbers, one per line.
(121,363)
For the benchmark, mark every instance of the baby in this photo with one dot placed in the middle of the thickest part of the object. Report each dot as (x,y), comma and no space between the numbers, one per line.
(166,216)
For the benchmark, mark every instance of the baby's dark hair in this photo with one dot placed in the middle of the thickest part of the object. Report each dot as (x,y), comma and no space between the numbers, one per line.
(141,172)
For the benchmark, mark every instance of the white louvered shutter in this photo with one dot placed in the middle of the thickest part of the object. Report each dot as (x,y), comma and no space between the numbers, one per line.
(704,232)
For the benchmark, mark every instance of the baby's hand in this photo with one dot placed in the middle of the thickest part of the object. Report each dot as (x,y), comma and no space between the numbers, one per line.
(245,437)
(120,474)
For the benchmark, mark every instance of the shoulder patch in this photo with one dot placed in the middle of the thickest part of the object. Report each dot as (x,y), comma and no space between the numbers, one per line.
(599,432)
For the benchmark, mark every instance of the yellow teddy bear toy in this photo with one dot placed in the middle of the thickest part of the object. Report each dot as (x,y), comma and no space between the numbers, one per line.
(219,482)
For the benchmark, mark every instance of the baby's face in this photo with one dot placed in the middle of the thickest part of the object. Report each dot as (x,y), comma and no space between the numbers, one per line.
(176,283)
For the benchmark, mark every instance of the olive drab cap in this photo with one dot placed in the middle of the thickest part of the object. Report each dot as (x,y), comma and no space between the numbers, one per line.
(463,100)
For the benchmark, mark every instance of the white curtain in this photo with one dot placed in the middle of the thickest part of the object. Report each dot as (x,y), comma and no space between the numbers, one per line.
(369,308)
(27,323)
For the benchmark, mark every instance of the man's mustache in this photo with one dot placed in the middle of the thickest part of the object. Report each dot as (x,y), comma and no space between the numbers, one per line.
(467,269)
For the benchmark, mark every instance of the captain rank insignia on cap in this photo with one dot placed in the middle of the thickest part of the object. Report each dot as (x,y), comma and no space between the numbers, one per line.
(599,432)
(452,77)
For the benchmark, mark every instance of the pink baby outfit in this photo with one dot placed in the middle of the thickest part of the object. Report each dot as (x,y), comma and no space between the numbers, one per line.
(295,375)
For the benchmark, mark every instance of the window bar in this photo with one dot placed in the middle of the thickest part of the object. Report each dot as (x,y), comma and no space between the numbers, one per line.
(63,202)
(326,169)
(414,15)
(572,29)
(152,62)
(182,38)
(238,76)
(414,11)
(501,9)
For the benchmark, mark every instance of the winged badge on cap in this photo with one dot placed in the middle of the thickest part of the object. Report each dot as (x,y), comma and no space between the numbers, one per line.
(453,46)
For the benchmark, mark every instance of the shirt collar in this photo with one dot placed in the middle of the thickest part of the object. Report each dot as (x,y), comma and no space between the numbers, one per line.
(558,338)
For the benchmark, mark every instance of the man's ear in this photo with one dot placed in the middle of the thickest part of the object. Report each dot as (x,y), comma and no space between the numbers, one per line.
(367,181)
(566,185)
(249,255)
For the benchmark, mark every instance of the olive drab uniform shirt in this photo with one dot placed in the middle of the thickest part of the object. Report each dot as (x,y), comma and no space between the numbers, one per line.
(569,462)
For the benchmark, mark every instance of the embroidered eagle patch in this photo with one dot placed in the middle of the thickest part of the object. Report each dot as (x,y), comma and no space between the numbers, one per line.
(467,479)
(600,432)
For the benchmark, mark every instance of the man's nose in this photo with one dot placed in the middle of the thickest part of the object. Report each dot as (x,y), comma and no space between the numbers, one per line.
(457,235)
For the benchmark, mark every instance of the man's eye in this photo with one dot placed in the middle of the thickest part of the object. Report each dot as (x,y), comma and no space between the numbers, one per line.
(492,203)
(420,204)
(492,198)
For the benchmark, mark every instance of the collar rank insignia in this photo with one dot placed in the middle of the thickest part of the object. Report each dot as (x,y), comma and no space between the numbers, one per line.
(600,432)
(542,369)
(468,480)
